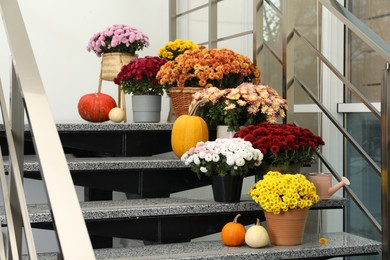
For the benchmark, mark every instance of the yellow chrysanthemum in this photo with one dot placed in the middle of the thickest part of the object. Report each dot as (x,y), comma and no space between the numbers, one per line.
(281,192)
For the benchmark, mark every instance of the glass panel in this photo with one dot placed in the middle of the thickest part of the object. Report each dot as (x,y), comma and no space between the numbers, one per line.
(234,20)
(242,45)
(305,62)
(365,182)
(184,5)
(365,72)
(194,26)
(366,65)
(271,29)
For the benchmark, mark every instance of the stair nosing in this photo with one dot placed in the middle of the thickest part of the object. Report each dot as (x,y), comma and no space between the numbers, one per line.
(157,207)
(339,244)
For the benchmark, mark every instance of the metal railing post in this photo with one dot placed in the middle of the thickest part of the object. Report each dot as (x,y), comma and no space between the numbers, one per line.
(385,131)
(213,23)
(17,125)
(172,20)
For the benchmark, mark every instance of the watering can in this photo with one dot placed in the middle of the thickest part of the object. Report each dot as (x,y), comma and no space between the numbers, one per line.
(323,183)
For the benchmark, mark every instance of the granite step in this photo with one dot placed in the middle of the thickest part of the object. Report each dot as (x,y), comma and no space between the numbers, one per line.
(159,207)
(161,220)
(85,139)
(339,244)
(163,161)
(143,176)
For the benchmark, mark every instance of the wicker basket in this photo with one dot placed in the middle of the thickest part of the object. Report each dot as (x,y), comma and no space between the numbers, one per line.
(182,98)
(112,64)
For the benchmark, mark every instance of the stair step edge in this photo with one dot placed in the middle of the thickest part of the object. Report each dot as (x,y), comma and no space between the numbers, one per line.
(165,161)
(158,207)
(70,126)
(339,244)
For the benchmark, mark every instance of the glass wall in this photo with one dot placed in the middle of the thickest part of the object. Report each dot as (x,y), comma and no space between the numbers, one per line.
(365,72)
(299,60)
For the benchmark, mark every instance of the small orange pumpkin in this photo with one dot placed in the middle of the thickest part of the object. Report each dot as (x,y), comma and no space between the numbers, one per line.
(233,233)
(187,131)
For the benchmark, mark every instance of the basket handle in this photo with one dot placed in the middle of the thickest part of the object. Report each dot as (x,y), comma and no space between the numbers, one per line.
(195,105)
(181,84)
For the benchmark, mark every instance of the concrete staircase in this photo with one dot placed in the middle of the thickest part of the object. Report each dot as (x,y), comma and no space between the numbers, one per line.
(137,159)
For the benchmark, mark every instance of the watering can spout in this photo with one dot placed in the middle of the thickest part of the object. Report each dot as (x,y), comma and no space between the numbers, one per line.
(344,182)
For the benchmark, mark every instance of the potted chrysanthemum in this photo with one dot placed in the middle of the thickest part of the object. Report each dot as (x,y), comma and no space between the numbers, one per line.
(247,104)
(285,199)
(202,68)
(118,45)
(139,78)
(174,48)
(226,162)
(286,147)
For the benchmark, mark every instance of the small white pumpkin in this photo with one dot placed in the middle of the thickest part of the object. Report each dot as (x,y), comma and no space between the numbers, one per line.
(116,114)
(257,236)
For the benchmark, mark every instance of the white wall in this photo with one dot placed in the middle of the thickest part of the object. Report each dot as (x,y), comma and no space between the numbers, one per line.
(59,32)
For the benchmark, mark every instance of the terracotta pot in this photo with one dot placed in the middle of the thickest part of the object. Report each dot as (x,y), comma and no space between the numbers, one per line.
(287,228)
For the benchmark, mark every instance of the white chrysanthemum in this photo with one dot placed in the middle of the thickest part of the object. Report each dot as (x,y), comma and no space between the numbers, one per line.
(202,154)
(184,156)
(232,147)
(196,160)
(190,159)
(240,162)
(248,156)
(215,157)
(203,169)
(208,157)
(259,154)
(224,150)
(229,154)
(230,160)
(210,145)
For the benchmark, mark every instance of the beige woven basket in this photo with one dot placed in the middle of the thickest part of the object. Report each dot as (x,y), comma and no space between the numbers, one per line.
(182,98)
(112,64)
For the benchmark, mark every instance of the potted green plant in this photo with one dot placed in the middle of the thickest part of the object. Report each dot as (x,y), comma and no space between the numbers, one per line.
(246,104)
(226,162)
(139,78)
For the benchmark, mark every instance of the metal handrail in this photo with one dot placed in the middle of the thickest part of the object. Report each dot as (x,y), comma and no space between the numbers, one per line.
(347,83)
(64,204)
(339,126)
(367,35)
(354,197)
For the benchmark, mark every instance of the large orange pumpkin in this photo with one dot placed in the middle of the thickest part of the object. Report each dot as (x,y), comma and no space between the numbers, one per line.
(95,107)
(187,131)
(233,233)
